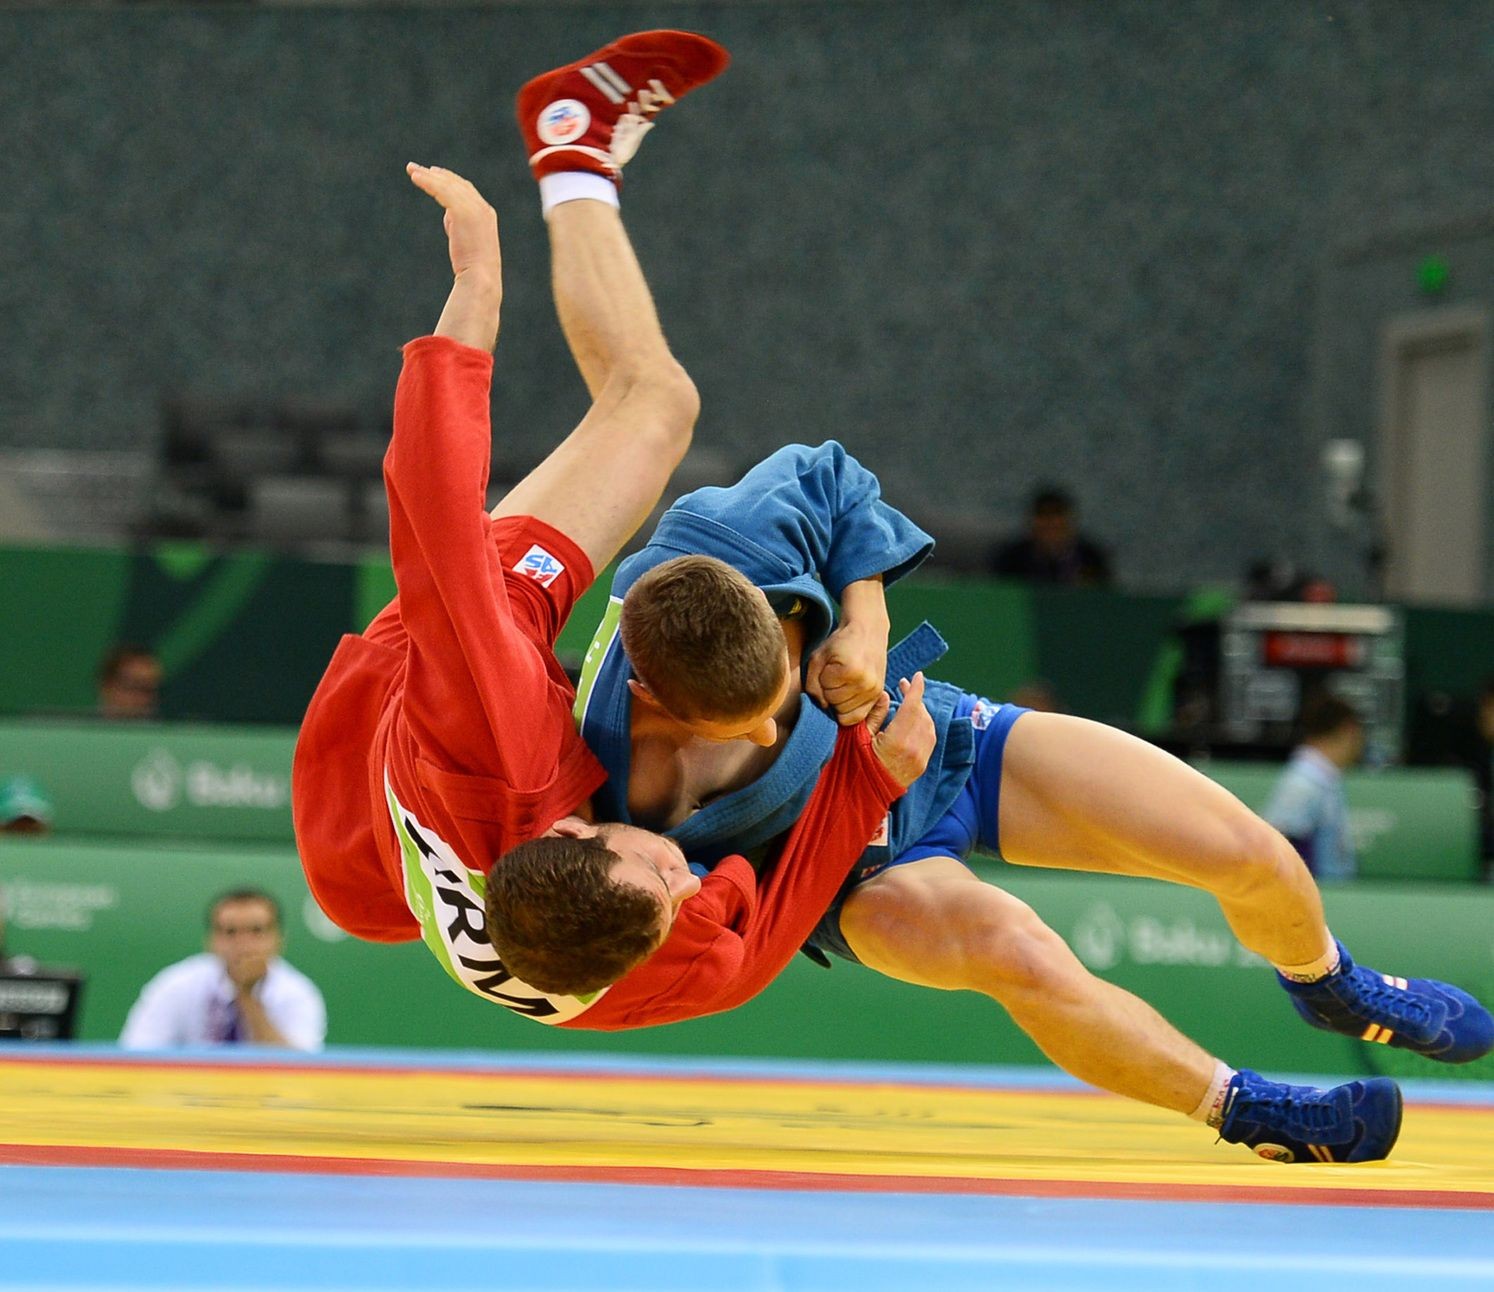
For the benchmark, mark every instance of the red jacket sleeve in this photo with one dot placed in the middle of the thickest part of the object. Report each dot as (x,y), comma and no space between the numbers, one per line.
(736,935)
(470,666)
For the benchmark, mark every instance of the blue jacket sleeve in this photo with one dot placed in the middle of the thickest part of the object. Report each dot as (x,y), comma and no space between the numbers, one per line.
(802,511)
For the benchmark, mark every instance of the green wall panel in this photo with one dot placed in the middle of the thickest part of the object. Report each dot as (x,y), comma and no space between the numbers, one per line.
(61,613)
(1099,649)
(245,637)
(989,627)
(121,913)
(157,780)
(242,637)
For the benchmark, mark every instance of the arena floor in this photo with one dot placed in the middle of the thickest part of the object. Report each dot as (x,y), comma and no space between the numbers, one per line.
(375,1170)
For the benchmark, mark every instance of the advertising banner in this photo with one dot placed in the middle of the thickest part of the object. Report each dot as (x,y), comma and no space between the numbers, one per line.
(147,779)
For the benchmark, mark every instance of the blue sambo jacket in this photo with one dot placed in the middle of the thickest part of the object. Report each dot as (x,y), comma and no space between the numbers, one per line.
(802,525)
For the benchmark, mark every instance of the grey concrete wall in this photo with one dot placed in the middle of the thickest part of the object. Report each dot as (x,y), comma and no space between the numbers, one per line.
(984,244)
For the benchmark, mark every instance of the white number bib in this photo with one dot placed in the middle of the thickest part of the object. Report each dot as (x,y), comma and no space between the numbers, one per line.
(447,898)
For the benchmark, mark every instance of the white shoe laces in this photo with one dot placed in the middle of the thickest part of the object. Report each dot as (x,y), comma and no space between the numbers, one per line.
(637,121)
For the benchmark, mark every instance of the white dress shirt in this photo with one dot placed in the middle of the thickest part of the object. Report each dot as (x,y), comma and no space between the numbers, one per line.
(192,1003)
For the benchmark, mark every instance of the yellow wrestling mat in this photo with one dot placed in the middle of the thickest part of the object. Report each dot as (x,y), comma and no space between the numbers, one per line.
(726,1129)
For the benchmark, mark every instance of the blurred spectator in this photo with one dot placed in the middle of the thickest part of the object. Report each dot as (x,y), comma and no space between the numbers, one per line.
(24,809)
(1052,550)
(1319,591)
(129,683)
(238,991)
(1307,804)
(1275,579)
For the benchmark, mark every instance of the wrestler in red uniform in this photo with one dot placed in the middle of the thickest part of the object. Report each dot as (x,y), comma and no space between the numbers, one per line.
(451,718)
(452,700)
(442,736)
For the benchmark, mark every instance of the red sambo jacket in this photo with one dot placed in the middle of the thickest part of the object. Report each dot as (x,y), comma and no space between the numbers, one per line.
(442,736)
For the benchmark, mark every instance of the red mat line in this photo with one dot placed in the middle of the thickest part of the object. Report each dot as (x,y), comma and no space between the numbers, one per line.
(188,1160)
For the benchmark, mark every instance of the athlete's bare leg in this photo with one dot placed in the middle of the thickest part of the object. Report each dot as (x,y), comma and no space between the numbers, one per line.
(601,483)
(1078,795)
(581,124)
(933,923)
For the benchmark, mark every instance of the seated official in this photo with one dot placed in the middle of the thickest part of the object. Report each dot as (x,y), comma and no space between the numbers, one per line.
(237,991)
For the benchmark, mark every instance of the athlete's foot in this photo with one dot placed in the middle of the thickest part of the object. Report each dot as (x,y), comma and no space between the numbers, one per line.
(1420,1014)
(1357,1122)
(592,114)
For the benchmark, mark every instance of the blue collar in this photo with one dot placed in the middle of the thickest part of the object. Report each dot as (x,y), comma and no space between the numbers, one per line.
(752,815)
(756,813)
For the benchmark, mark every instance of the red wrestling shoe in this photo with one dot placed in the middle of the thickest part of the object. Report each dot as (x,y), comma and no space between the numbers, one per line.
(592,114)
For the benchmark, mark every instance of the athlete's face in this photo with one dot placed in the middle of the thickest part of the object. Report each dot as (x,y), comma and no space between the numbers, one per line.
(646,860)
(760,728)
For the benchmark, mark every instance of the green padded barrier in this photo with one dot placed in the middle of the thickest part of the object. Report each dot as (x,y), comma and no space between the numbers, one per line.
(121,913)
(159,780)
(1408,823)
(233,784)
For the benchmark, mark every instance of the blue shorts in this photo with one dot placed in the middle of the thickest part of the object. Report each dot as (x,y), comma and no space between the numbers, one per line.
(973,820)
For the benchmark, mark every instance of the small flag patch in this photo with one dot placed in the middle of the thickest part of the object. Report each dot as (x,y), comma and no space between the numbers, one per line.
(539,565)
(982,713)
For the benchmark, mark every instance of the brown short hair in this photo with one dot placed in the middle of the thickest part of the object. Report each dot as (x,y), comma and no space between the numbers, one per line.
(703,639)
(244,895)
(560,922)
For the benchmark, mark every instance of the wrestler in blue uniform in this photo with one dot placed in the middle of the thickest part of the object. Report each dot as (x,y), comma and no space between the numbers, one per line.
(802,522)
(809,520)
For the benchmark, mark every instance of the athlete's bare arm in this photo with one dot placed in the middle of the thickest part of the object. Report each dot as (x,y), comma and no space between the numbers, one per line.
(472,309)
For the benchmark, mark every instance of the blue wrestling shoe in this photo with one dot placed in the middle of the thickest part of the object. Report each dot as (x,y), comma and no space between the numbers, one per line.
(1357,1122)
(1420,1014)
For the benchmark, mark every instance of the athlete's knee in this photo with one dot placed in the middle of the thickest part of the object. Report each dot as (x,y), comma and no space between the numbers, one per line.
(664,402)
(678,399)
(1012,953)
(1261,860)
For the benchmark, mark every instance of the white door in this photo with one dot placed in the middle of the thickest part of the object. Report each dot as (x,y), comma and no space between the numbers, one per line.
(1434,458)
